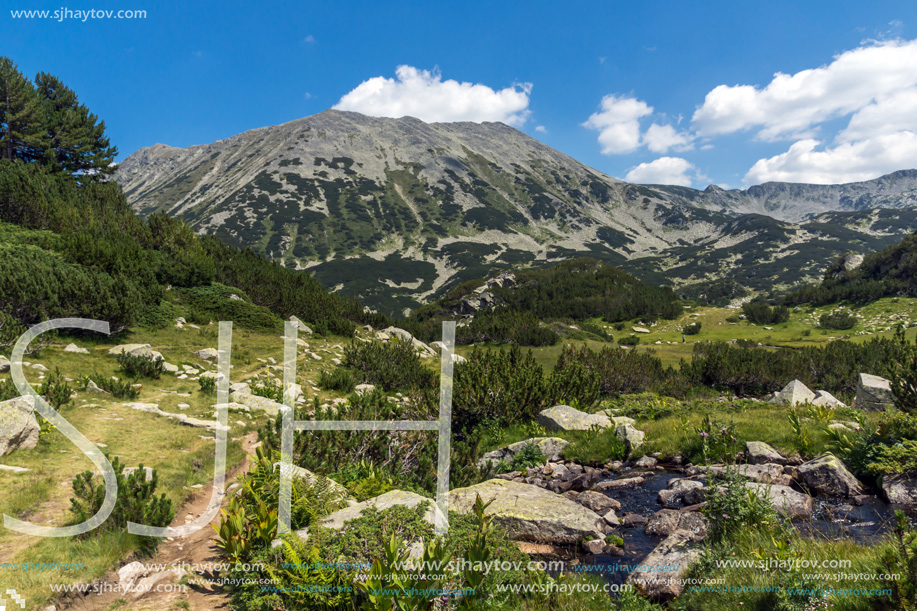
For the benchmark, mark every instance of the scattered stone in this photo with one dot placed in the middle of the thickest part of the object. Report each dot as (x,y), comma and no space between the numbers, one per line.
(4,364)
(597,502)
(759,453)
(271,407)
(364,389)
(531,513)
(169,368)
(131,572)
(208,354)
(18,428)
(566,418)
(617,484)
(646,462)
(14,469)
(93,387)
(633,519)
(674,495)
(131,349)
(665,522)
(640,329)
(874,394)
(75,349)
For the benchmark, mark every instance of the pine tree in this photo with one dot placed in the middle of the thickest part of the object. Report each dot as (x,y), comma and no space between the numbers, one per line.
(22,134)
(77,140)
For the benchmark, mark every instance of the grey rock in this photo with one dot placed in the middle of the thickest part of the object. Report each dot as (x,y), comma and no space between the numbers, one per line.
(827,475)
(531,513)
(794,393)
(874,394)
(75,349)
(566,418)
(759,452)
(901,488)
(633,438)
(551,447)
(794,505)
(597,502)
(208,354)
(18,428)
(825,399)
(680,549)
(665,522)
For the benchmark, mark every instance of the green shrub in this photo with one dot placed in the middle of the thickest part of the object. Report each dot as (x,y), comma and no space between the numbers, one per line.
(763,314)
(267,389)
(629,340)
(391,366)
(119,389)
(529,456)
(136,502)
(339,379)
(733,319)
(837,320)
(504,327)
(208,385)
(139,366)
(692,329)
(736,508)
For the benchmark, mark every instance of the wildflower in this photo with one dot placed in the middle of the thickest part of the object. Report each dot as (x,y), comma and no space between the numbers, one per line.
(723,431)
(704,434)
(725,516)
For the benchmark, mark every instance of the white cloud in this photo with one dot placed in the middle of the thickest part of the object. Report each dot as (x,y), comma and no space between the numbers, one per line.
(845,162)
(541,129)
(793,106)
(661,138)
(309,39)
(618,123)
(425,95)
(662,171)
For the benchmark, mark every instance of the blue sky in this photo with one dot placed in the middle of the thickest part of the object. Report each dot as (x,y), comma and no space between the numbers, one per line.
(656,91)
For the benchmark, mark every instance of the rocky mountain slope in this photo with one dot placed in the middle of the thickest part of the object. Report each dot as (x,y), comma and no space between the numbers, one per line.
(398,210)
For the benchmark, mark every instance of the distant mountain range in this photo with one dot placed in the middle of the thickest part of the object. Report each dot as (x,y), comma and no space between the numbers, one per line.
(396,211)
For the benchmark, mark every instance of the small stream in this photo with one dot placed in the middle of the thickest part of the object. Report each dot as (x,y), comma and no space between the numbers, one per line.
(865,524)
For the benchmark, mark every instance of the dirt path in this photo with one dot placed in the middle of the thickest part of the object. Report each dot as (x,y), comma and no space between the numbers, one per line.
(194,549)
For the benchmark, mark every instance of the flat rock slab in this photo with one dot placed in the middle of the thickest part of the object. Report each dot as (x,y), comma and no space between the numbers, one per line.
(759,453)
(531,513)
(566,418)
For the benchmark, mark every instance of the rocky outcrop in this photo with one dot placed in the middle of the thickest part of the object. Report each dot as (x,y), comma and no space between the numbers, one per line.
(566,418)
(551,447)
(678,551)
(339,519)
(676,493)
(874,394)
(18,428)
(531,513)
(827,475)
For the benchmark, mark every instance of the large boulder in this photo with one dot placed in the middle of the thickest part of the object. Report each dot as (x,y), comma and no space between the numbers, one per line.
(827,475)
(566,418)
(551,447)
(760,453)
(901,489)
(531,513)
(18,427)
(632,438)
(677,552)
(794,505)
(257,402)
(208,354)
(300,325)
(794,393)
(75,349)
(874,394)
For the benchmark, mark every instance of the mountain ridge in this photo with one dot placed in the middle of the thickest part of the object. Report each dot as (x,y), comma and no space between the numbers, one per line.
(398,210)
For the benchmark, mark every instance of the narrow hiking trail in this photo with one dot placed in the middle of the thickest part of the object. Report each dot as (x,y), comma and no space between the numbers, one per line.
(203,591)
